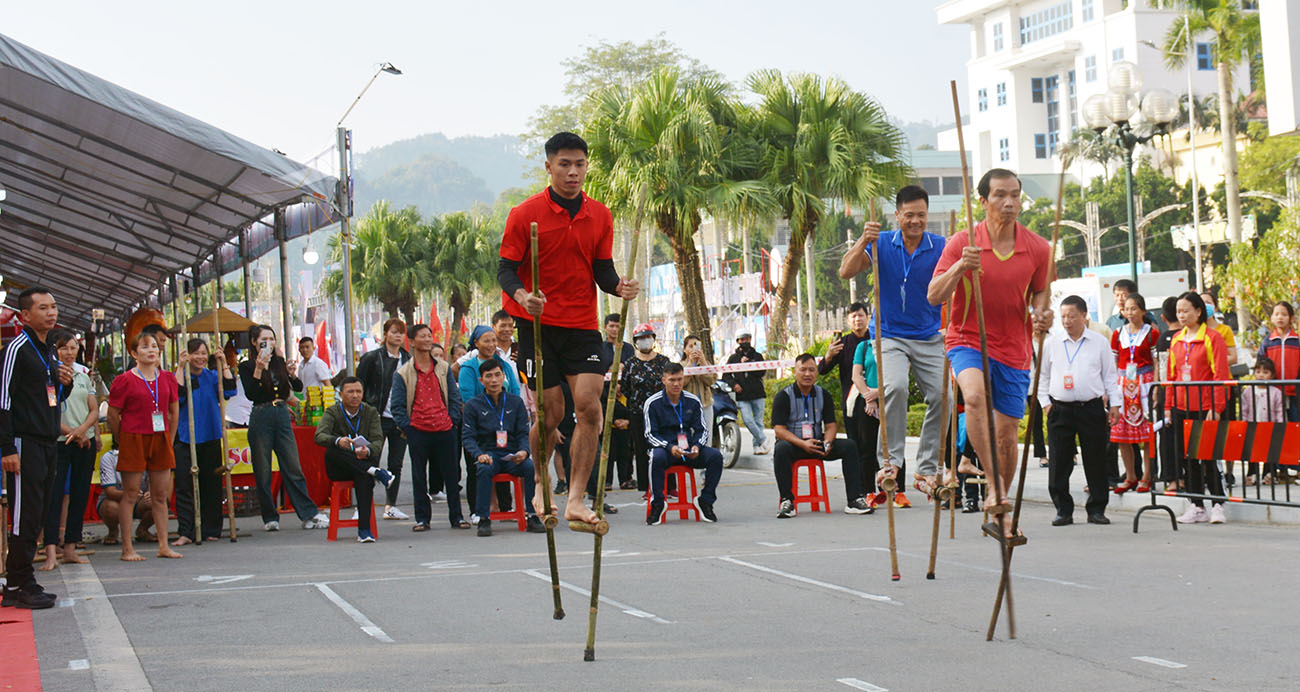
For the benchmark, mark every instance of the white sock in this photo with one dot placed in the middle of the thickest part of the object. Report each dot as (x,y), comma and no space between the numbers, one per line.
(372,470)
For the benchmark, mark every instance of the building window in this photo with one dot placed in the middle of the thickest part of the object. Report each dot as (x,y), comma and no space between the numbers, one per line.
(1117,55)
(1204,56)
(1002,93)
(1046,22)
(952,185)
(1036,89)
(1040,146)
(1090,68)
(1087,10)
(1051,87)
(1250,4)
(1004,149)
(997,37)
(983,98)
(1074,100)
(931,186)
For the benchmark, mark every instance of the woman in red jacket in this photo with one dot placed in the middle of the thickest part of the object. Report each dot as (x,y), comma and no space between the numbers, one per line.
(1197,354)
(1283,348)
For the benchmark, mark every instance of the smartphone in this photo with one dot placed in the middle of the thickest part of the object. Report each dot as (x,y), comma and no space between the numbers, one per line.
(839,335)
(265,348)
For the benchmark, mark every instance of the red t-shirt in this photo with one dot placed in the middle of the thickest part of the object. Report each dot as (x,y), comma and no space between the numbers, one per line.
(565,251)
(135,398)
(1140,350)
(428,410)
(1006,285)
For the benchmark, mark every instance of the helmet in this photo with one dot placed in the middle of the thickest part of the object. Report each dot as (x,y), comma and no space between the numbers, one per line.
(643,330)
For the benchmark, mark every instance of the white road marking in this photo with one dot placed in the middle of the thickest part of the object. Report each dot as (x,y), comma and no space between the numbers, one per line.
(995,570)
(775,545)
(1159,662)
(447,564)
(357,616)
(112,660)
(813,582)
(65,603)
(750,473)
(629,504)
(860,685)
(78,664)
(229,579)
(630,610)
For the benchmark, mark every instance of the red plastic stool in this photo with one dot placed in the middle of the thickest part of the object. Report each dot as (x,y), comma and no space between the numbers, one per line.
(340,496)
(684,505)
(518,512)
(814,498)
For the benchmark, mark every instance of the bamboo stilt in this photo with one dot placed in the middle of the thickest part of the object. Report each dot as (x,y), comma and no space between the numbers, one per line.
(542,463)
(189,418)
(890,483)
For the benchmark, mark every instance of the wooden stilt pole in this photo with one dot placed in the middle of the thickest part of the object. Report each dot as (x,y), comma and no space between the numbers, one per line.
(542,463)
(190,382)
(890,482)
(225,444)
(946,490)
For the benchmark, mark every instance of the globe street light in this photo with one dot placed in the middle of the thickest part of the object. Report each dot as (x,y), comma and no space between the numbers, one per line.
(1113,114)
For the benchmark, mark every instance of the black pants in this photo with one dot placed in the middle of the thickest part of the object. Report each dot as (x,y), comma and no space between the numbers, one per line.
(1199,473)
(27,493)
(864,430)
(437,450)
(640,452)
(505,498)
(395,444)
(343,465)
(1036,428)
(609,464)
(1087,423)
(75,464)
(210,489)
(785,454)
(620,453)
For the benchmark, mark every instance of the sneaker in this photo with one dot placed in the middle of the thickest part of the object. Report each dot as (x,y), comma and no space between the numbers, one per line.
(271,526)
(356,514)
(877,499)
(485,528)
(561,488)
(395,513)
(972,506)
(763,448)
(1216,515)
(901,501)
(474,520)
(706,512)
(656,516)
(440,496)
(320,521)
(385,476)
(364,536)
(535,524)
(858,506)
(787,510)
(30,597)
(1194,515)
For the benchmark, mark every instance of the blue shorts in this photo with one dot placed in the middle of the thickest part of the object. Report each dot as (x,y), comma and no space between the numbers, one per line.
(1010,385)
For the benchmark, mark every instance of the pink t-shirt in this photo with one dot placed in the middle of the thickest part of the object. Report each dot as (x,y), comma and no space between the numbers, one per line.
(1006,284)
(135,398)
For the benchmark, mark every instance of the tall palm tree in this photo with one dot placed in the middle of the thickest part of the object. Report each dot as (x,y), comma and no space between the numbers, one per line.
(679,143)
(818,139)
(462,257)
(388,260)
(1236,41)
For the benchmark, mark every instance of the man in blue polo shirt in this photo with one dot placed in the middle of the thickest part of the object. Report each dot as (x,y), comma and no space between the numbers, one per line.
(909,324)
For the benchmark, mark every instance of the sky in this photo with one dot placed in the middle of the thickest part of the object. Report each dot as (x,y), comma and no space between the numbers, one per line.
(280,73)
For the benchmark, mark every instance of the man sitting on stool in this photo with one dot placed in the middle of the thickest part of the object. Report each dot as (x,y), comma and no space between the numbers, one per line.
(1079,373)
(353,439)
(494,431)
(803,421)
(674,427)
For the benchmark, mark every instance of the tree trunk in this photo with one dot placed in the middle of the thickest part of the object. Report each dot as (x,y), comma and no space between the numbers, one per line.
(777,334)
(459,306)
(691,281)
(1231,183)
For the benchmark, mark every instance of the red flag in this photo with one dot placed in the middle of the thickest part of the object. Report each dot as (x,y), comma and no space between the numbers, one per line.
(463,329)
(435,324)
(322,343)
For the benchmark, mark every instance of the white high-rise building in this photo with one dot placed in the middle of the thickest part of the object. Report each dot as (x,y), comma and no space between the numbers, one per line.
(1034,62)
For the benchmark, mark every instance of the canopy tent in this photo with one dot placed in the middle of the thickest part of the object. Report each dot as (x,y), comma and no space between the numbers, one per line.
(213,321)
(110,194)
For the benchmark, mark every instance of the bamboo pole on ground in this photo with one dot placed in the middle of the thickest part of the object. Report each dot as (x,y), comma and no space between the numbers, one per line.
(549,520)
(945,443)
(189,419)
(226,469)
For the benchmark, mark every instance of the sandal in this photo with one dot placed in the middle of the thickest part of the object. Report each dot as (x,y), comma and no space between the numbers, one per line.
(462,524)
(1125,486)
(420,527)
(110,540)
(627,485)
(1143,487)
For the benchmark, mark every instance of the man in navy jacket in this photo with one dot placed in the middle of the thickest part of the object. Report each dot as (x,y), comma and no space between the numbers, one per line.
(495,435)
(674,427)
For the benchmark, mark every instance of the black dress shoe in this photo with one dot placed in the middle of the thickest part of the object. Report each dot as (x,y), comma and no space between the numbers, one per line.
(1098,519)
(1064,520)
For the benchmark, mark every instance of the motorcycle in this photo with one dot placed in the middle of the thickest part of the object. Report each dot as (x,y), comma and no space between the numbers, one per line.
(726,428)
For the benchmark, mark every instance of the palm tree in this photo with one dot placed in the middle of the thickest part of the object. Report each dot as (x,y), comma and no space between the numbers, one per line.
(818,139)
(462,257)
(1086,145)
(1236,40)
(678,143)
(388,260)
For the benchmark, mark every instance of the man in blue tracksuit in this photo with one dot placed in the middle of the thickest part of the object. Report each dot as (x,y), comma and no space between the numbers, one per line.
(494,432)
(674,428)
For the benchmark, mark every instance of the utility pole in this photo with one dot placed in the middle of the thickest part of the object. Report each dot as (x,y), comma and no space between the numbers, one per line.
(344,205)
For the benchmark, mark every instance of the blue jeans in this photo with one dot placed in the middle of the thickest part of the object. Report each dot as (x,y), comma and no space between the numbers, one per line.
(709,459)
(271,430)
(752,413)
(437,449)
(485,472)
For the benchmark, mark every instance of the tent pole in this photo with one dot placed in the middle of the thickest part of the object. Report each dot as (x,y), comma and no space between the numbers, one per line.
(243,262)
(285,313)
(344,208)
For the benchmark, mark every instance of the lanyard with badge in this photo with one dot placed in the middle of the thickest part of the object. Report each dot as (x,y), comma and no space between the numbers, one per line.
(354,427)
(907,270)
(502,437)
(53,389)
(682,444)
(806,430)
(1187,357)
(1069,379)
(159,425)
(1131,370)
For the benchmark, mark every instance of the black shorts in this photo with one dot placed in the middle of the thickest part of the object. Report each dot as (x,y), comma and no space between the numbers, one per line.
(565,351)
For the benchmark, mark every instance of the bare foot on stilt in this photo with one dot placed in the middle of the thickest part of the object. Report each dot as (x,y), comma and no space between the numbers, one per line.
(968,467)
(577,511)
(539,505)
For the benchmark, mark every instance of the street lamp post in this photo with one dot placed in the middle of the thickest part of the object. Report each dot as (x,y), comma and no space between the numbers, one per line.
(1112,116)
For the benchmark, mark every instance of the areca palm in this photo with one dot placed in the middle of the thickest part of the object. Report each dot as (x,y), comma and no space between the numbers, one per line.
(819,140)
(462,257)
(679,144)
(388,253)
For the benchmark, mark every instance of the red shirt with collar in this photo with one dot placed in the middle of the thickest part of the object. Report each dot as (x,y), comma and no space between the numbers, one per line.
(428,409)
(565,252)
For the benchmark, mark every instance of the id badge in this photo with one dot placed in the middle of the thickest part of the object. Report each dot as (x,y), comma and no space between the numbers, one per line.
(805,431)
(682,444)
(159,425)
(1069,382)
(501,439)
(53,395)
(1131,371)
(1187,372)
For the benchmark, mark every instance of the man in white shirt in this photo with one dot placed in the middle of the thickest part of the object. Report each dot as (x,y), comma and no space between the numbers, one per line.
(1077,386)
(312,371)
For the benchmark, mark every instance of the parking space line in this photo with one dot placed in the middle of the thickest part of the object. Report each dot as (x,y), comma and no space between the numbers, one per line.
(1159,662)
(630,610)
(112,660)
(813,582)
(860,685)
(357,616)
